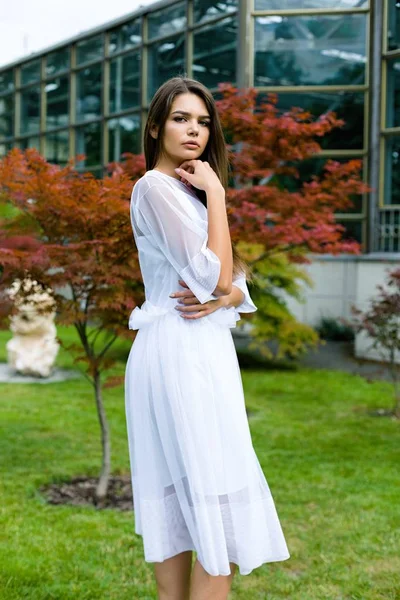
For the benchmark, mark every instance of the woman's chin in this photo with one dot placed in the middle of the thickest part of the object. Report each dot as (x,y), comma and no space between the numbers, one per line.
(193,153)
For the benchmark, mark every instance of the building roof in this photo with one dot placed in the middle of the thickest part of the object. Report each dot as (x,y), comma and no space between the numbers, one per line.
(90,32)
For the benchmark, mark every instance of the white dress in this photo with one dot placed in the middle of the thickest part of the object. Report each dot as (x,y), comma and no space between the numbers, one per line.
(197,482)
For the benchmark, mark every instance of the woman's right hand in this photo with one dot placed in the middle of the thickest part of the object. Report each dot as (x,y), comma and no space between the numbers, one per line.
(200,175)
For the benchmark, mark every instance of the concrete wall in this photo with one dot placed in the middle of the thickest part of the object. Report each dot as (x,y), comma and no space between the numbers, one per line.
(341,281)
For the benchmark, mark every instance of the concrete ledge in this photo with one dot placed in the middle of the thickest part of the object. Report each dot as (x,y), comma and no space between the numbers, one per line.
(371,257)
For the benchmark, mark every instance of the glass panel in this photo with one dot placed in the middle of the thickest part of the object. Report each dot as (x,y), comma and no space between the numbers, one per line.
(57,61)
(125,37)
(57,95)
(90,49)
(125,82)
(346,106)
(168,20)
(88,142)
(30,110)
(166,59)
(353,230)
(393,41)
(216,63)
(6,116)
(123,136)
(300,4)
(211,9)
(6,81)
(392,171)
(33,142)
(30,72)
(393,94)
(315,166)
(4,148)
(57,147)
(88,93)
(315,50)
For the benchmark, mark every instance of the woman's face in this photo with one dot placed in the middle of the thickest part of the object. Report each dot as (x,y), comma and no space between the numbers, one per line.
(188,121)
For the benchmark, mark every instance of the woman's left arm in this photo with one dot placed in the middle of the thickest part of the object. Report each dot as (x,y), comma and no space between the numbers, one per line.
(235,298)
(239,299)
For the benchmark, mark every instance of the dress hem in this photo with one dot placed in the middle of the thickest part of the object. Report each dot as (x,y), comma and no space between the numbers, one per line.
(241,571)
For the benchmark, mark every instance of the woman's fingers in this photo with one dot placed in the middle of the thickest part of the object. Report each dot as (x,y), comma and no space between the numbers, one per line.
(191,308)
(188,300)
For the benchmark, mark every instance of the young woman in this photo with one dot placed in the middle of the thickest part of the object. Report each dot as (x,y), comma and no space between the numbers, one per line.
(197,482)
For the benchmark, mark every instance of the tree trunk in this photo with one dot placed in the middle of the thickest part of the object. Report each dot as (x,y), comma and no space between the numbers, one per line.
(102,485)
(396,408)
(394,374)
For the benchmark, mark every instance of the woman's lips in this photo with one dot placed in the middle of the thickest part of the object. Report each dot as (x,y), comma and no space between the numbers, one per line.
(191,145)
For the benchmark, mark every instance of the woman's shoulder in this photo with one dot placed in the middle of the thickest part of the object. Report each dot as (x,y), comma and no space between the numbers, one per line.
(145,180)
(154,178)
(150,178)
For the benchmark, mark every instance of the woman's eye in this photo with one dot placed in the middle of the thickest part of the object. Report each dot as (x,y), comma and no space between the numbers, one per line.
(207,123)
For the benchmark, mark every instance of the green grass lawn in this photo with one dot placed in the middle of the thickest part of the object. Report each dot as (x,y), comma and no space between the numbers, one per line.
(332,469)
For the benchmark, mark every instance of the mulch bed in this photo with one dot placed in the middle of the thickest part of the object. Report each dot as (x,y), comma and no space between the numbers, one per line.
(80,491)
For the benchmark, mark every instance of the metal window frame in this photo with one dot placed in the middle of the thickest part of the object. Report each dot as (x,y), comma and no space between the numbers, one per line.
(385,132)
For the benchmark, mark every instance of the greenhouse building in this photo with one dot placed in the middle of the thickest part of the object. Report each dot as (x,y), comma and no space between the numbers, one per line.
(90,94)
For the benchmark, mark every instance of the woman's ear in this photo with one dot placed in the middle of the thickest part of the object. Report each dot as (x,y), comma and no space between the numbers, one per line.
(154,132)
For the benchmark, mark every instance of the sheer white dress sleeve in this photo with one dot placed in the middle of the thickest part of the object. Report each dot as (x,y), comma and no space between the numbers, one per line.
(167,217)
(180,238)
(247,306)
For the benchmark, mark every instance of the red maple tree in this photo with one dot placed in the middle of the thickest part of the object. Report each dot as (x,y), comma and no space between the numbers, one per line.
(72,232)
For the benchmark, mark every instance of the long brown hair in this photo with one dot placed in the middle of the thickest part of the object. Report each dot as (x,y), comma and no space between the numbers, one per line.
(215,153)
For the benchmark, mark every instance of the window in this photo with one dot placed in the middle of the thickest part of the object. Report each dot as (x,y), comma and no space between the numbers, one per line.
(353,230)
(393,32)
(126,36)
(312,50)
(171,19)
(5,147)
(6,116)
(215,64)
(123,136)
(32,142)
(57,61)
(6,81)
(57,147)
(348,106)
(392,171)
(165,59)
(211,9)
(88,142)
(30,110)
(57,100)
(309,168)
(30,72)
(124,82)
(88,94)
(88,50)
(393,94)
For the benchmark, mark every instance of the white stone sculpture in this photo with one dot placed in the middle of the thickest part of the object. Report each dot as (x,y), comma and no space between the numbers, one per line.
(33,348)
